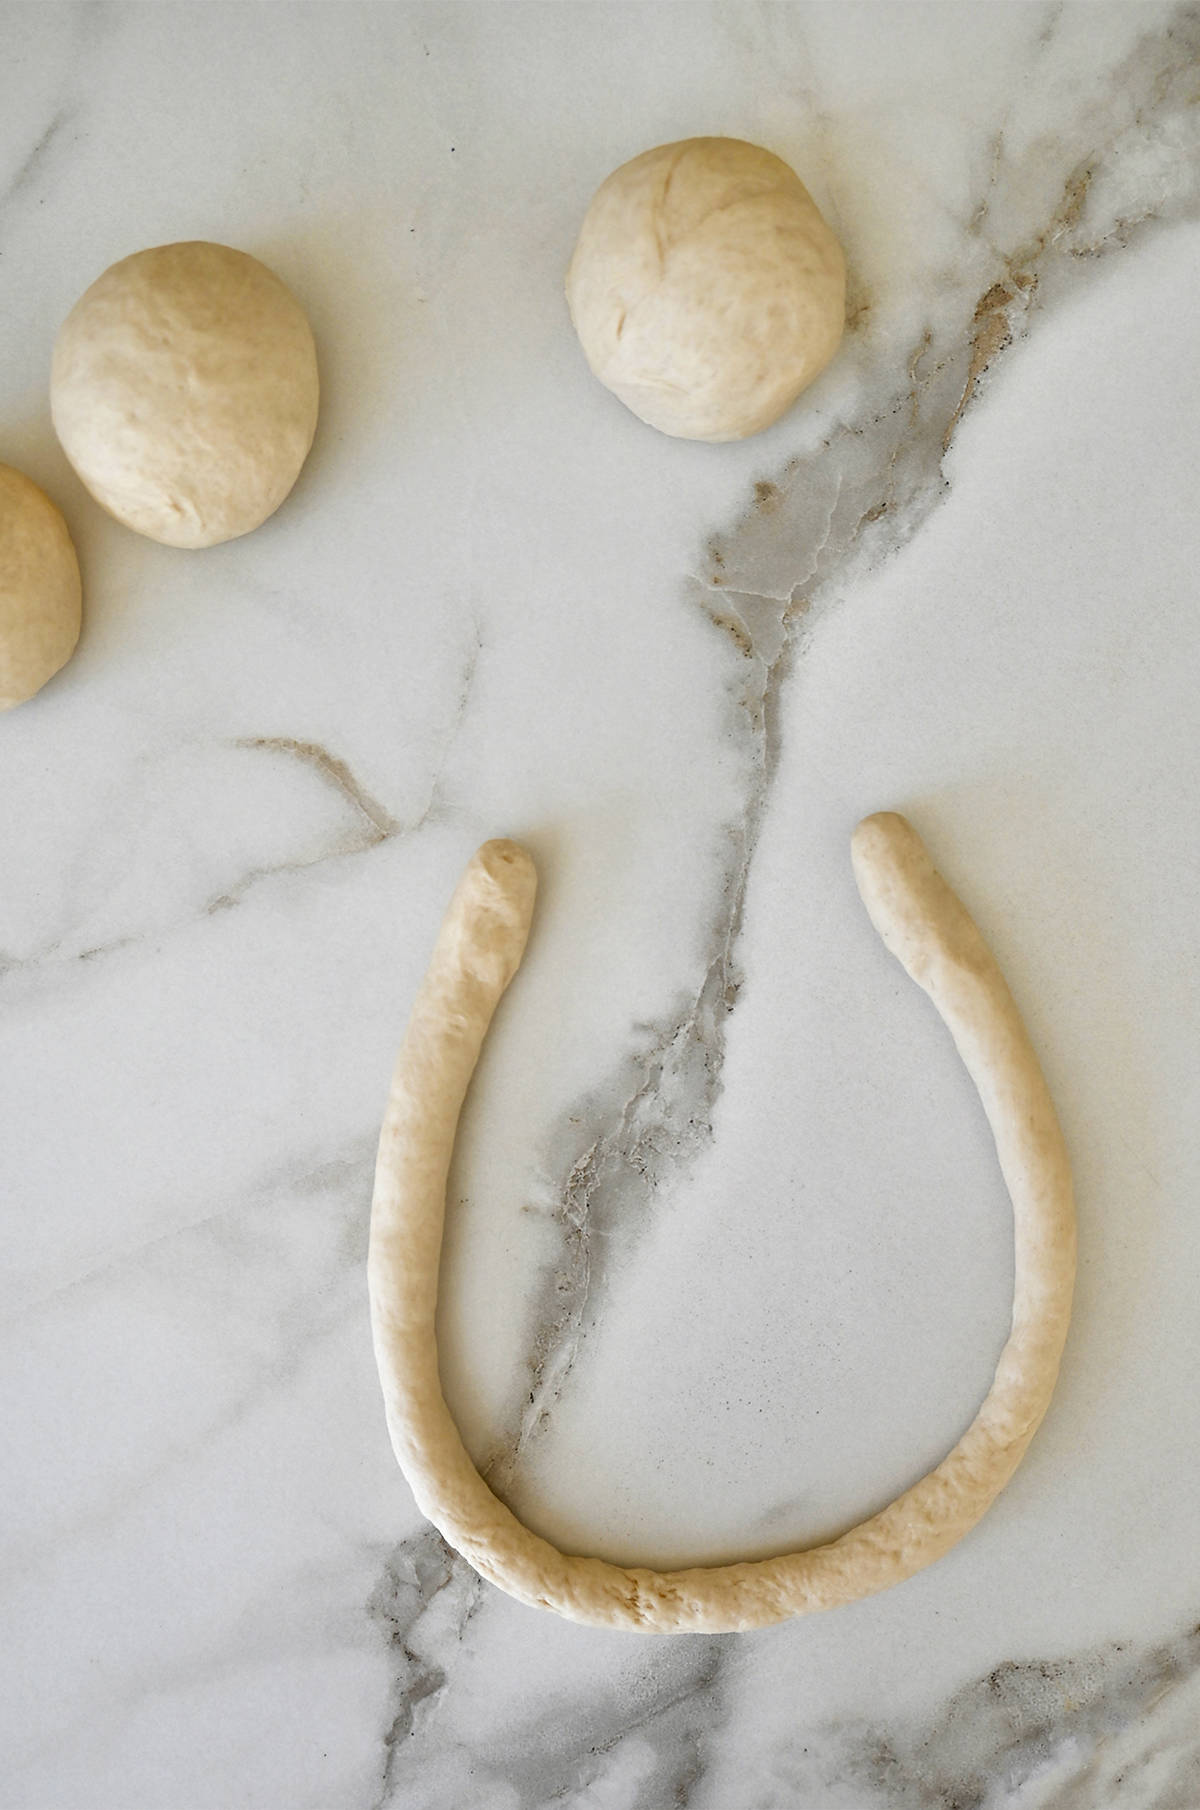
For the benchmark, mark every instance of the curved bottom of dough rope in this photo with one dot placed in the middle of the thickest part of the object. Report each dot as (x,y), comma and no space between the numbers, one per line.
(476,955)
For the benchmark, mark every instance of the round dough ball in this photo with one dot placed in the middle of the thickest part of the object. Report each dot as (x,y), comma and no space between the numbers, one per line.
(184,391)
(40,592)
(706,288)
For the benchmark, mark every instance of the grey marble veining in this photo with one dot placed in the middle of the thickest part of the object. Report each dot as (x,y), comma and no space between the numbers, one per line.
(1074,1731)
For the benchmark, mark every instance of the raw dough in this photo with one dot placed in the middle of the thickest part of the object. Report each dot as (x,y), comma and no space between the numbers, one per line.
(184,391)
(706,288)
(476,955)
(40,592)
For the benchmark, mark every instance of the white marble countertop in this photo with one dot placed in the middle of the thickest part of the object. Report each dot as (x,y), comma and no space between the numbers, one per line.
(729,1260)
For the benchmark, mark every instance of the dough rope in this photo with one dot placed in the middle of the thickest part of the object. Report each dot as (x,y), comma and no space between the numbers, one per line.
(477,953)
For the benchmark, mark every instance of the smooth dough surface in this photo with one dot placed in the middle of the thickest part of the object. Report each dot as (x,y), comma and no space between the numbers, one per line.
(706,288)
(184,392)
(477,953)
(40,591)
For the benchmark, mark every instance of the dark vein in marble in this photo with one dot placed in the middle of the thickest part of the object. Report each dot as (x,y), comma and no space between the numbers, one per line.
(336,772)
(92,22)
(37,155)
(373,825)
(376,826)
(687,1706)
(675,1702)
(1078,1730)
(423,1579)
(435,802)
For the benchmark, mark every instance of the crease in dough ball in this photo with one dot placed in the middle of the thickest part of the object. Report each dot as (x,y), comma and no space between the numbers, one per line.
(184,391)
(706,288)
(40,591)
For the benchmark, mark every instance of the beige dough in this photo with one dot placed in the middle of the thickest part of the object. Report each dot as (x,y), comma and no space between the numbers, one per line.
(40,592)
(184,391)
(706,288)
(476,955)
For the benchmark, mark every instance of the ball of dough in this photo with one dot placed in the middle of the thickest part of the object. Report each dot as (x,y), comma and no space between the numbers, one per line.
(40,592)
(706,288)
(184,391)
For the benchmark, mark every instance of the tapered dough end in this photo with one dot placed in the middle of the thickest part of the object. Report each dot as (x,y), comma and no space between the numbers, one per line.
(882,837)
(919,919)
(501,876)
(505,862)
(488,921)
(893,872)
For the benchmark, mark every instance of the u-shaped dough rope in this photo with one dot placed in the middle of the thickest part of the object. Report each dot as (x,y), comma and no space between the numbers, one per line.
(476,955)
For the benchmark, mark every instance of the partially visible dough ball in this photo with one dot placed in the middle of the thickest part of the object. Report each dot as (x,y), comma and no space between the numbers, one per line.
(706,288)
(40,592)
(184,391)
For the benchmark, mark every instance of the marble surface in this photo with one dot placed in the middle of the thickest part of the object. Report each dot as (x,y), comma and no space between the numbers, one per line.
(728,1261)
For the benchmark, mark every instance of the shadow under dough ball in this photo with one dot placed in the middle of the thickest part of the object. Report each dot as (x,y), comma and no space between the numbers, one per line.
(706,289)
(40,591)
(184,392)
